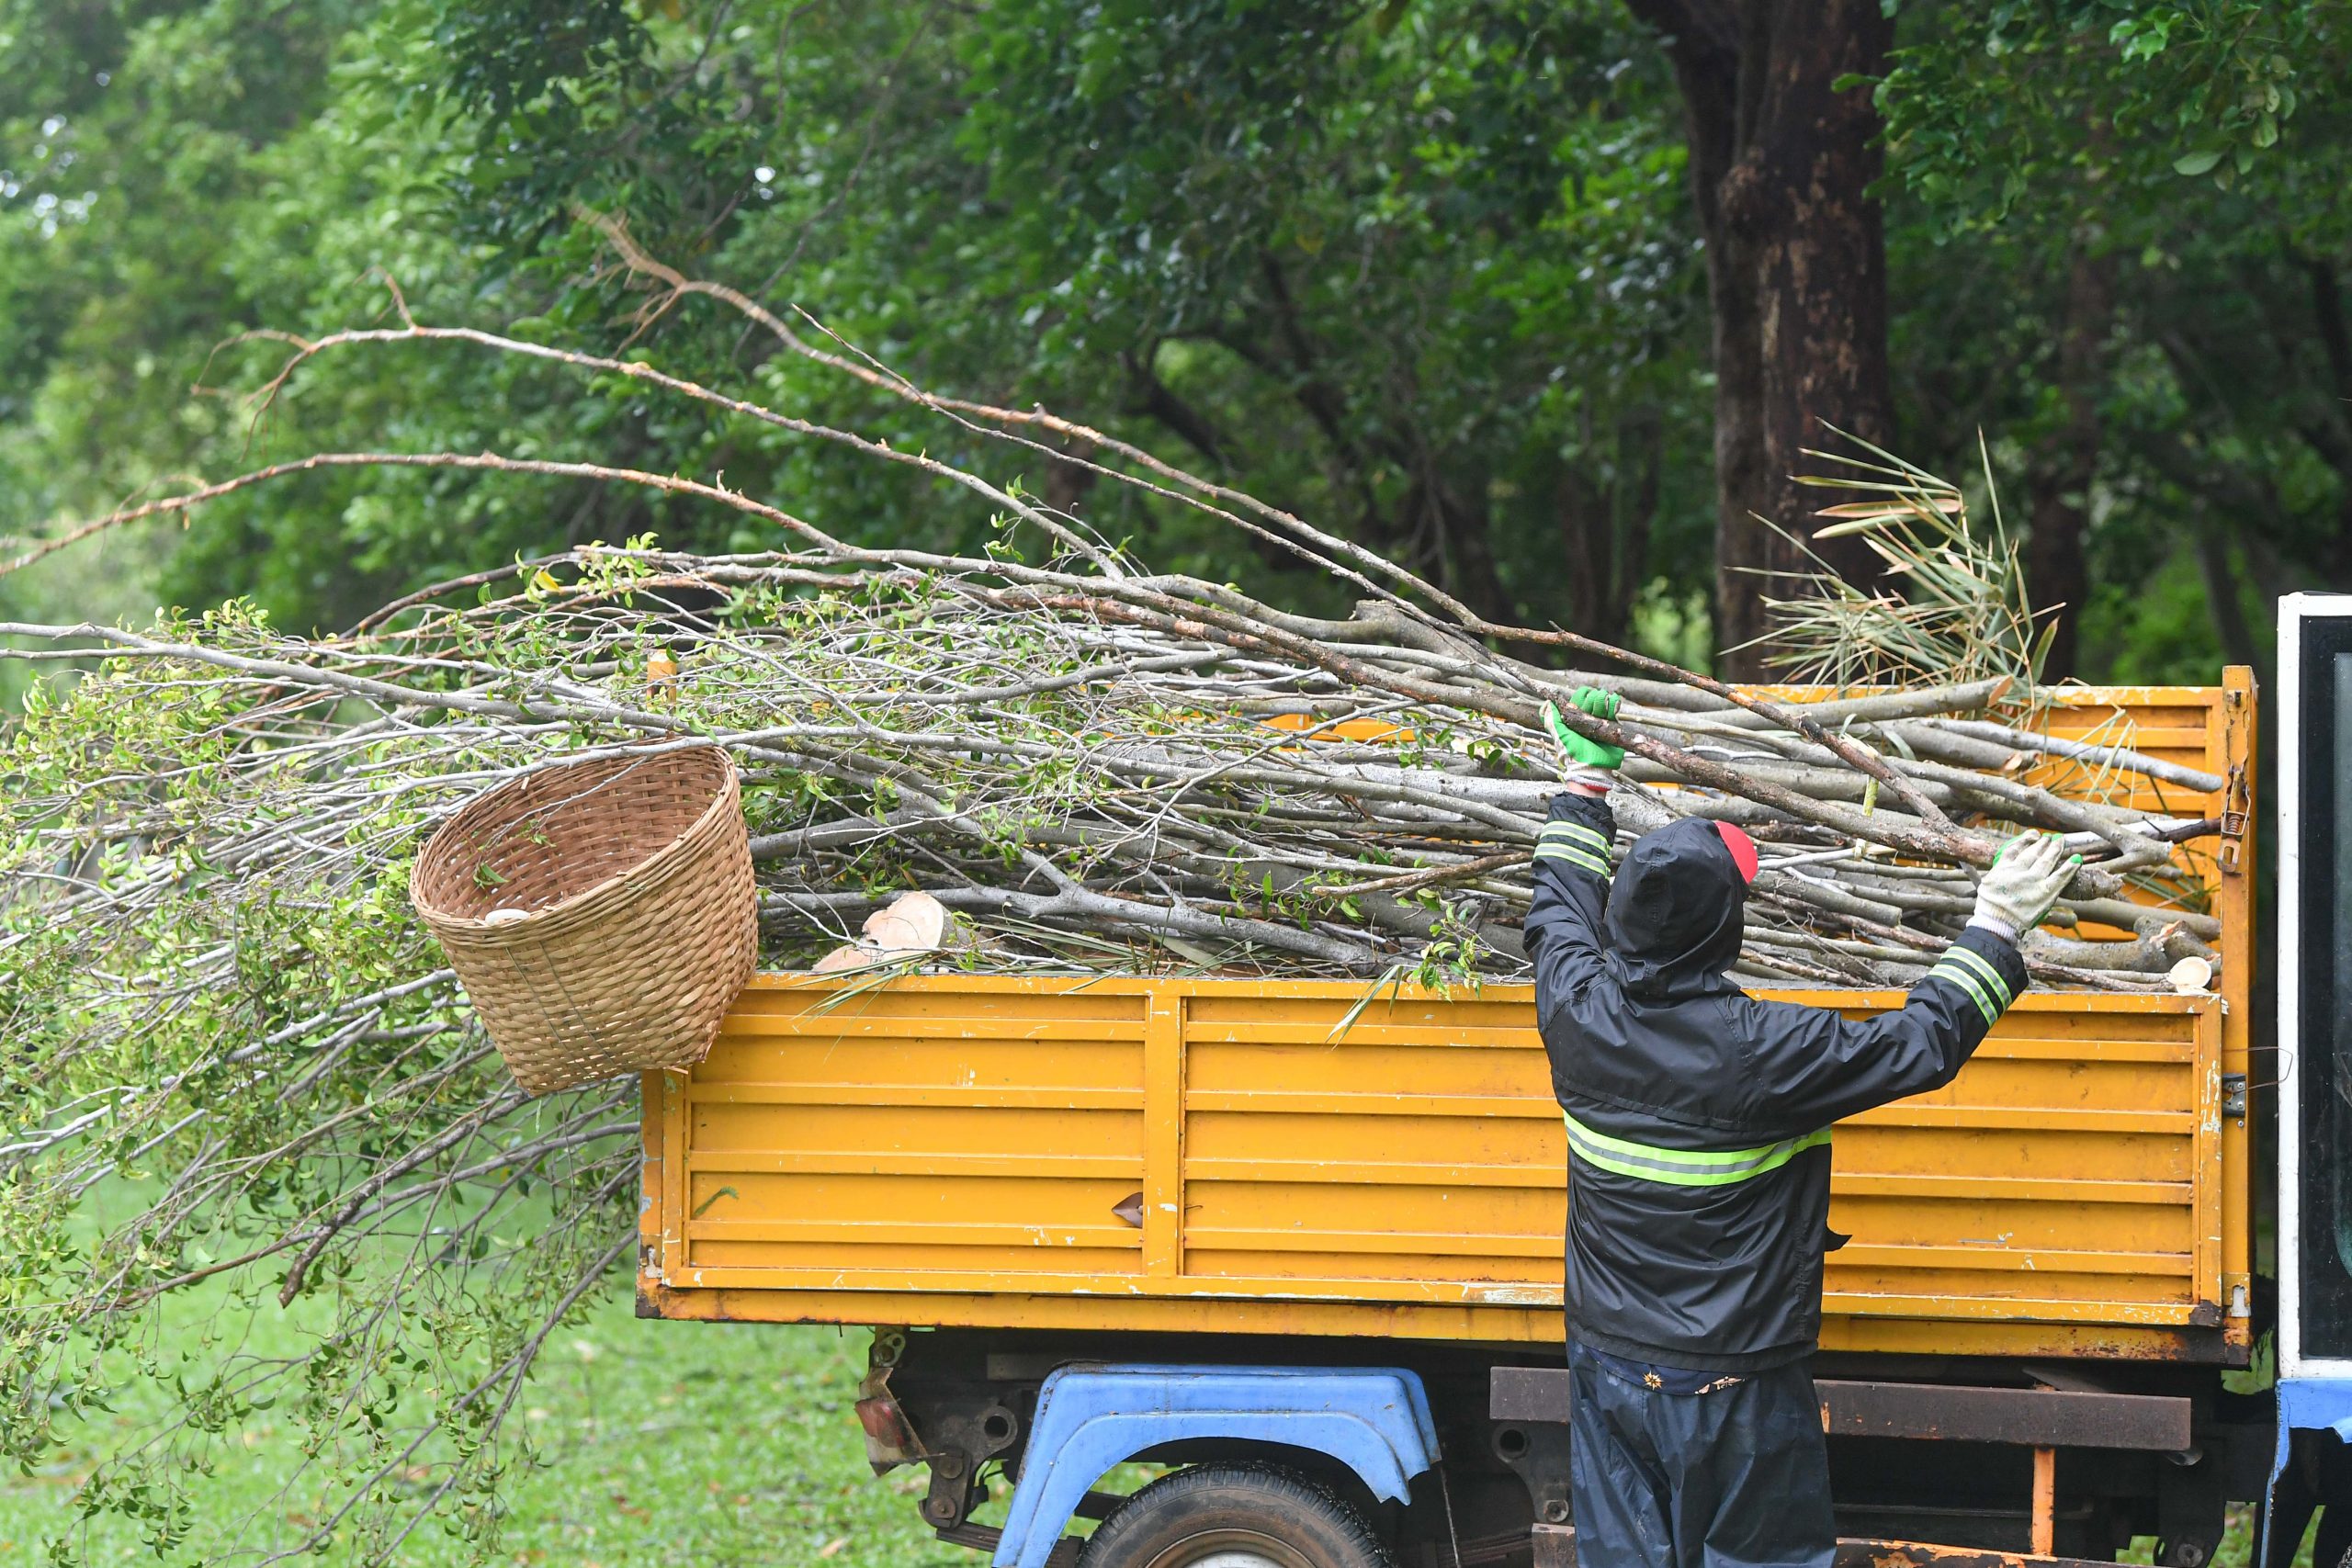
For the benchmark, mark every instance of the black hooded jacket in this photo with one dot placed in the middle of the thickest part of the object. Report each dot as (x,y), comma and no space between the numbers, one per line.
(1698,1116)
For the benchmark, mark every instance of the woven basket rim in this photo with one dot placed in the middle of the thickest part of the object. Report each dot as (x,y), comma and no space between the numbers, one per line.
(534,919)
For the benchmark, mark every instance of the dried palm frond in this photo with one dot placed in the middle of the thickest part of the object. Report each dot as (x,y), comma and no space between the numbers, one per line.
(1952,606)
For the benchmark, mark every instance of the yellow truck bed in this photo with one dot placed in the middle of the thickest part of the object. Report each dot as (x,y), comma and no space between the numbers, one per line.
(1239,1155)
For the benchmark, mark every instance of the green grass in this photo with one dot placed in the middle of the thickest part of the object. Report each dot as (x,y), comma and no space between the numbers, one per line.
(662,1443)
(707,1443)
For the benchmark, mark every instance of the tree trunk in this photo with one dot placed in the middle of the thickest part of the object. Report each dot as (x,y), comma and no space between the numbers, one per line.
(1605,528)
(1781,163)
(1449,535)
(1588,553)
(2333,438)
(2222,595)
(1443,528)
(2065,462)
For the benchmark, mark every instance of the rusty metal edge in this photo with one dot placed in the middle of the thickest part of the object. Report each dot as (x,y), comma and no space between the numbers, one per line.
(1944,1411)
(1555,1547)
(1859,1553)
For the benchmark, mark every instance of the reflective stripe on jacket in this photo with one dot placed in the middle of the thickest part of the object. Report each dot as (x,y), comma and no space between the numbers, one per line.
(1683,1167)
(1698,1116)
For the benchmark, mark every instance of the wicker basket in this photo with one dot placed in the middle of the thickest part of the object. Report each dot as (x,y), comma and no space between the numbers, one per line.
(601,915)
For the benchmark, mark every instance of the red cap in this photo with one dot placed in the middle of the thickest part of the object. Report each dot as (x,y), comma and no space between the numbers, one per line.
(1742,848)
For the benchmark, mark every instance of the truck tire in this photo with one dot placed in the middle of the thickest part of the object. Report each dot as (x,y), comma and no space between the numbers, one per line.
(2334,1546)
(1234,1516)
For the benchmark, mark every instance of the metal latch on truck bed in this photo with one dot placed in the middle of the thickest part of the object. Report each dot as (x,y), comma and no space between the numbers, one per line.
(2234,802)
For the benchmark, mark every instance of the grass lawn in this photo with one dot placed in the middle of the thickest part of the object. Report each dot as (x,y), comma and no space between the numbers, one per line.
(672,1443)
(663,1443)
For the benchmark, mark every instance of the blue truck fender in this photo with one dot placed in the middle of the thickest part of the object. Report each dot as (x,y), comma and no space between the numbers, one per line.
(1375,1420)
(2305,1404)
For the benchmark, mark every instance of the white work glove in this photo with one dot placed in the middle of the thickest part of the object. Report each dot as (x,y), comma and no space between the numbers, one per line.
(2025,880)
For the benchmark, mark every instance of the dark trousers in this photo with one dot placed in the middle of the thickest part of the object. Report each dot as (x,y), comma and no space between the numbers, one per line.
(1738,1477)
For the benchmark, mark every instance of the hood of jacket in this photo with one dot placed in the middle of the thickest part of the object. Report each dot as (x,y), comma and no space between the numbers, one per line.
(1675,913)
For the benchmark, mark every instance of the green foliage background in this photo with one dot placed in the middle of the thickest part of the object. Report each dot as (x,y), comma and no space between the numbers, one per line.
(1425,271)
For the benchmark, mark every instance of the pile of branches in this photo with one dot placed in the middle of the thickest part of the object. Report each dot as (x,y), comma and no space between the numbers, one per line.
(239,1074)
(1124,772)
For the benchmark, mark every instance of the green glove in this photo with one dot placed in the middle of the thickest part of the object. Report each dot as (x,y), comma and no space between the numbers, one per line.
(1580,752)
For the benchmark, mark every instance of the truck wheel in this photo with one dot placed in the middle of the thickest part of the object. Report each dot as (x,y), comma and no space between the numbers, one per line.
(1234,1516)
(2335,1542)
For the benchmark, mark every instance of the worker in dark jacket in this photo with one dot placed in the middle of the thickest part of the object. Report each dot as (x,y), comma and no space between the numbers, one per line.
(1697,1124)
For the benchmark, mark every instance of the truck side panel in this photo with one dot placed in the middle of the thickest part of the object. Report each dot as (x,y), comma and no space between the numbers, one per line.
(946,1136)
